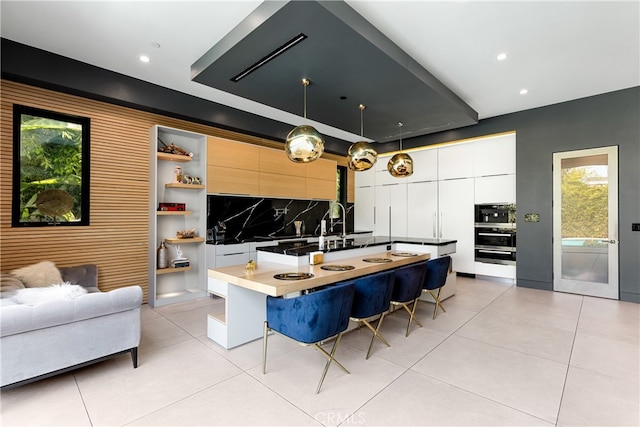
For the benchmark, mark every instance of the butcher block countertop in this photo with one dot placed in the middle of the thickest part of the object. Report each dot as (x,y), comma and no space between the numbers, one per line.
(261,278)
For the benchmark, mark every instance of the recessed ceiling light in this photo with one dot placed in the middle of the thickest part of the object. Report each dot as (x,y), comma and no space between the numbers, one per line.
(501,56)
(144,58)
(524,91)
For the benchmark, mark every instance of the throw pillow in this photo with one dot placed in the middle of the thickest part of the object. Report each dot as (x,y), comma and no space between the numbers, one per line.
(9,283)
(44,273)
(62,292)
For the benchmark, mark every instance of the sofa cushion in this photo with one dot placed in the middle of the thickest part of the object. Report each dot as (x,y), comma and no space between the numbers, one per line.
(44,273)
(9,283)
(84,275)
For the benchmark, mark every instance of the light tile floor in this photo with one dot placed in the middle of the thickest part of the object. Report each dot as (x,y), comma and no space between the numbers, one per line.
(500,355)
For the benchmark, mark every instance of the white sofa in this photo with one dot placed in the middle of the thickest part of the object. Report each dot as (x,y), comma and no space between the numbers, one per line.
(38,341)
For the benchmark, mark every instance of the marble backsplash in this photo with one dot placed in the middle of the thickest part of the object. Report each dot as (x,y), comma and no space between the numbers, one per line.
(246,218)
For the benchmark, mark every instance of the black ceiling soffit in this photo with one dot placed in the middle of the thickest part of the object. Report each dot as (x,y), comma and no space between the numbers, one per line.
(348,61)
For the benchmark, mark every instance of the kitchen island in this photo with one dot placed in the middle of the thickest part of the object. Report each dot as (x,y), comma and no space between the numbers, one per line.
(245,290)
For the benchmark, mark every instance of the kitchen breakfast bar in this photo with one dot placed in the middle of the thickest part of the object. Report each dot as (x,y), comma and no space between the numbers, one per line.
(286,270)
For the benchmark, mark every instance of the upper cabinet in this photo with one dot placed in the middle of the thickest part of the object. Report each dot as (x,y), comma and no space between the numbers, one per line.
(495,155)
(456,161)
(246,169)
(232,167)
(322,179)
(425,166)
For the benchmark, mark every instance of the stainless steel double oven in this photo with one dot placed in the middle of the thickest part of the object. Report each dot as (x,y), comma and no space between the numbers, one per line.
(495,233)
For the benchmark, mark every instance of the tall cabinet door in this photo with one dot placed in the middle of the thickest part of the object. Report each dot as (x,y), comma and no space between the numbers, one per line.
(456,202)
(422,209)
(364,209)
(391,210)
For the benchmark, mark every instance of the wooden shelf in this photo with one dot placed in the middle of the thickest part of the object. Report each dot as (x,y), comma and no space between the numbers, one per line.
(186,186)
(178,241)
(172,270)
(174,157)
(173,213)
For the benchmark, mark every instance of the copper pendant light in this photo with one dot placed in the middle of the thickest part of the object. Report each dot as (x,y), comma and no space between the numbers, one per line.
(401,164)
(361,155)
(304,144)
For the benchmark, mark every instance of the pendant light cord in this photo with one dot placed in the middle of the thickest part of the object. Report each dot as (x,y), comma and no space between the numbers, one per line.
(400,126)
(305,83)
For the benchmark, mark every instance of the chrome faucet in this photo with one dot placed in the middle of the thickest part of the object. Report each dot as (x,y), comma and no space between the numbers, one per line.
(344,218)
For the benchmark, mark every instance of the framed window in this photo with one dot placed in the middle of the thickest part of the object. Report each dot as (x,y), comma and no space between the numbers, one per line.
(50,168)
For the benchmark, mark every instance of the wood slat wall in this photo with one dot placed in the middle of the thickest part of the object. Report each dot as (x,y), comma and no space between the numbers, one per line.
(117,239)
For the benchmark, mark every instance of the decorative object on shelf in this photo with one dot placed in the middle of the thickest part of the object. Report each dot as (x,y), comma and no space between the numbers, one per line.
(179,254)
(298,226)
(361,155)
(401,164)
(194,180)
(304,143)
(186,234)
(163,256)
(177,174)
(181,263)
(168,206)
(173,149)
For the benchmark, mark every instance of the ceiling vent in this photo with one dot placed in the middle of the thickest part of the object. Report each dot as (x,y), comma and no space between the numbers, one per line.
(288,45)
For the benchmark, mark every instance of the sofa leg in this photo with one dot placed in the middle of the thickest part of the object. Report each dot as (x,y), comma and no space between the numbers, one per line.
(134,357)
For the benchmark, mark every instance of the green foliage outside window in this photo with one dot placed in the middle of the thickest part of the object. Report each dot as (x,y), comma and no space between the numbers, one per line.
(50,168)
(584,204)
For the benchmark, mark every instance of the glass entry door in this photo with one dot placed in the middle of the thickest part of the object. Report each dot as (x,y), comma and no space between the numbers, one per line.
(585,222)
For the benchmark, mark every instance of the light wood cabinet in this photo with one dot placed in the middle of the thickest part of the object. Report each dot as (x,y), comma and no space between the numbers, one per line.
(232,167)
(232,154)
(276,162)
(245,169)
(277,185)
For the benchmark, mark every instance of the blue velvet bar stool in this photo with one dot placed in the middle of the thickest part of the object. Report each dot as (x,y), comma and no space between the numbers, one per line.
(407,288)
(310,319)
(372,298)
(435,278)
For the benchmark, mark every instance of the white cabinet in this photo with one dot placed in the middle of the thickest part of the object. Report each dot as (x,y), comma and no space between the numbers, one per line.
(364,209)
(422,209)
(391,210)
(169,285)
(438,199)
(495,155)
(425,166)
(456,161)
(456,202)
(366,178)
(495,189)
(383,177)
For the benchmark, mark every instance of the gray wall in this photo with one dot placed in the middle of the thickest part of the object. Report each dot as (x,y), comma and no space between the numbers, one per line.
(608,119)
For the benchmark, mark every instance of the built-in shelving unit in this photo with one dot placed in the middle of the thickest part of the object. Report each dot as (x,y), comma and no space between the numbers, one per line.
(170,285)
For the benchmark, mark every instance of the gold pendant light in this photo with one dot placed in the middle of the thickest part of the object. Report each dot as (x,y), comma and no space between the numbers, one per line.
(304,144)
(361,155)
(401,164)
